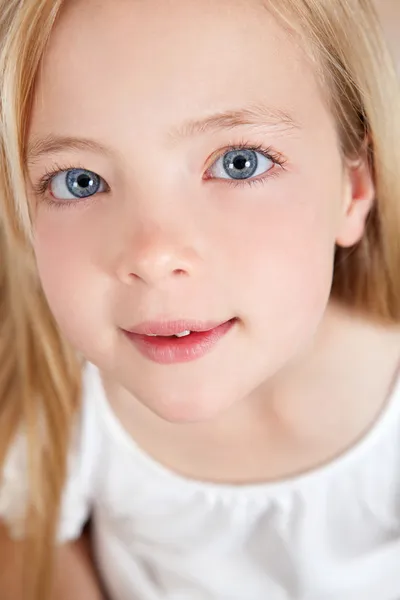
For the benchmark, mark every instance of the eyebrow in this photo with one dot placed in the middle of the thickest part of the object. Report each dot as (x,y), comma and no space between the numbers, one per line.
(52,144)
(254,115)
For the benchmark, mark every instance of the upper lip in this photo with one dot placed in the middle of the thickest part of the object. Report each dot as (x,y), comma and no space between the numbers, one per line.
(168,328)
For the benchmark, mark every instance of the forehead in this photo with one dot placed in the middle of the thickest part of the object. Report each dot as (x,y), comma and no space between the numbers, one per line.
(152,63)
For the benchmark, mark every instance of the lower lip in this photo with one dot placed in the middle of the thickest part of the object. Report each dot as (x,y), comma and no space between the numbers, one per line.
(170,350)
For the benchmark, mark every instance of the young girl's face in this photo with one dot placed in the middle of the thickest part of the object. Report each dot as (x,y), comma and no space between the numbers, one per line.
(204,185)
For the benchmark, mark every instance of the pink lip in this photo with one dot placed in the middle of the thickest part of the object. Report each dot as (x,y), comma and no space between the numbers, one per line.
(169,350)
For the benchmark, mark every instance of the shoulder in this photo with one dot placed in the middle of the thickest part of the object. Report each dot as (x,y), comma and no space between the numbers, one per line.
(80,483)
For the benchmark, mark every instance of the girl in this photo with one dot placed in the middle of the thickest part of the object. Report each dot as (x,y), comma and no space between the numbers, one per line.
(200,300)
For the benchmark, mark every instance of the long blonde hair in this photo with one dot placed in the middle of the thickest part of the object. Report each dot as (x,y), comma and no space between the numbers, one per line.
(39,372)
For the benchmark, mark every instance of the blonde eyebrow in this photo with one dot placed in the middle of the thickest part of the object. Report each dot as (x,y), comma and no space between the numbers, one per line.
(52,144)
(256,115)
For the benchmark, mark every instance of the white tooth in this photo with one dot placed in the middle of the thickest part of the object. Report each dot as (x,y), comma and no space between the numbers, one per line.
(183,334)
(151,334)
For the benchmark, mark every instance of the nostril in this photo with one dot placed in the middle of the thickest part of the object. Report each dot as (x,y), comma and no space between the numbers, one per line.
(180,272)
(134,276)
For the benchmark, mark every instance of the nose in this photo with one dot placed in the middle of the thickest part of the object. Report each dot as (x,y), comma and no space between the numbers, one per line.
(156,255)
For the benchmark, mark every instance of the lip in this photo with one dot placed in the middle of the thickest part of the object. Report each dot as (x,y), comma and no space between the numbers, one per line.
(169,350)
(173,327)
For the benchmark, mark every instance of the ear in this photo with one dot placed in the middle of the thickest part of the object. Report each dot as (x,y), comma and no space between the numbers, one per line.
(359,196)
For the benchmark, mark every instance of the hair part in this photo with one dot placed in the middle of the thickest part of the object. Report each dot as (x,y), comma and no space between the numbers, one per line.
(39,372)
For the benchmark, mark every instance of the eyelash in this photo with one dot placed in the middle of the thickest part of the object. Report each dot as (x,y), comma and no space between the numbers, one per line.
(41,188)
(278,160)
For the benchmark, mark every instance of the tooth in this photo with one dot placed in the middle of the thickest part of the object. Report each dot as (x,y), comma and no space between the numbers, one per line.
(183,334)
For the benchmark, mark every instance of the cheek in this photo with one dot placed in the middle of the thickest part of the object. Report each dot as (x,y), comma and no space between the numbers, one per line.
(285,261)
(71,289)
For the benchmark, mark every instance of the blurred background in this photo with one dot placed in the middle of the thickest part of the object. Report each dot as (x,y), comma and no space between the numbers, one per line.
(390,15)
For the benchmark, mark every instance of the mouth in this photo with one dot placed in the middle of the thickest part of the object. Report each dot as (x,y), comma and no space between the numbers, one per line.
(177,341)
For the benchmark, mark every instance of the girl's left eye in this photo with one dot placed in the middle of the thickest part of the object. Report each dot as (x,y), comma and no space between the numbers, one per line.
(241,164)
(76,184)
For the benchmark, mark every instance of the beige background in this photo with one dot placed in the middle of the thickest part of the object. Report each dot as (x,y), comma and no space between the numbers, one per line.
(390,14)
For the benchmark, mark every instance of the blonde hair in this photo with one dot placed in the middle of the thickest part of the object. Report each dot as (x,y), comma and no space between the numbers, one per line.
(39,372)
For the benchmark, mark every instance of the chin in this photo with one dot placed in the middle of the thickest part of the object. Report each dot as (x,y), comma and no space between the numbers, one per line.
(196,409)
(185,415)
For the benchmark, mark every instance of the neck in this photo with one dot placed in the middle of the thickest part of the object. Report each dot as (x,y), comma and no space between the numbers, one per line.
(305,415)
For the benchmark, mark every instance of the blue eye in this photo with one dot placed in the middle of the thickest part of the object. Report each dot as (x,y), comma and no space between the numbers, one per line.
(76,184)
(241,164)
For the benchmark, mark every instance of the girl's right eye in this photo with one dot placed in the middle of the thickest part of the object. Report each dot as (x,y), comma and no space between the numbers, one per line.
(76,184)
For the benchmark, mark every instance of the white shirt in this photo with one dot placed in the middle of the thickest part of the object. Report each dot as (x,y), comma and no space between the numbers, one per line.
(331,534)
